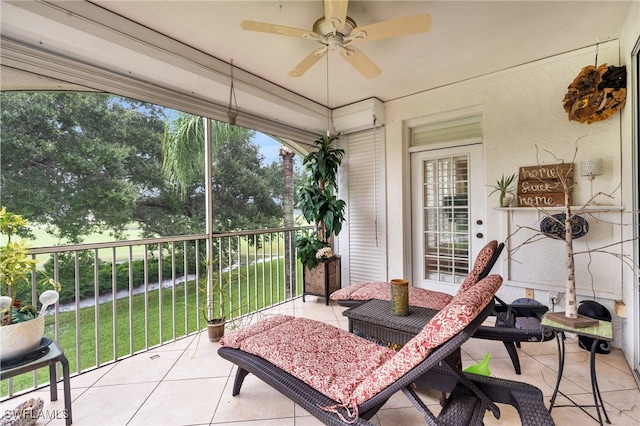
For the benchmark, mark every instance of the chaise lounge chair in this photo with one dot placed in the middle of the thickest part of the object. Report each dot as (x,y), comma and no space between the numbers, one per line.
(358,293)
(515,323)
(341,378)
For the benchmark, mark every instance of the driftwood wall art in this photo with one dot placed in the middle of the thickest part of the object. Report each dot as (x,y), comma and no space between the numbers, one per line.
(596,93)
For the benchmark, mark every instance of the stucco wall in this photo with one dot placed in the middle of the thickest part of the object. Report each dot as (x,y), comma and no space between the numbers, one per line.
(522,109)
(630,342)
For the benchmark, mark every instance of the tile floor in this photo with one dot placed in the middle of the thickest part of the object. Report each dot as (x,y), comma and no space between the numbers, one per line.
(187,383)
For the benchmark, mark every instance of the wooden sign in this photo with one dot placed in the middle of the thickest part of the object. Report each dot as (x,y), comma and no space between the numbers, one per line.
(541,186)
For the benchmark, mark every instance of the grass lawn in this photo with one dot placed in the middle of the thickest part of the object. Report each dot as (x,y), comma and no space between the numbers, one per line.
(152,320)
(44,239)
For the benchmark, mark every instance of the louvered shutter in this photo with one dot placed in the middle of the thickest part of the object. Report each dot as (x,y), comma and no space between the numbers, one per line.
(365,233)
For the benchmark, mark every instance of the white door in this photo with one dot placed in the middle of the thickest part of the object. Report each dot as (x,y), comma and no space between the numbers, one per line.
(447,215)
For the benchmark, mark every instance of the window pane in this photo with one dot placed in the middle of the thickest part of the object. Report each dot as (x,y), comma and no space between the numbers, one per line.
(446,218)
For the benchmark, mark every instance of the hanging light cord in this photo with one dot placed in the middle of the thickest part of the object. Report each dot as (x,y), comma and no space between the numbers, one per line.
(232,94)
(330,112)
(375,181)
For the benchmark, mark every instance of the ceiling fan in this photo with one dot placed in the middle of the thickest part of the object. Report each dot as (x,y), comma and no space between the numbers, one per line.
(335,30)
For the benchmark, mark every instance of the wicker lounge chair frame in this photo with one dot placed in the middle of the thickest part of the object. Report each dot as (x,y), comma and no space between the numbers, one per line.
(507,329)
(528,400)
(312,400)
(515,323)
(467,401)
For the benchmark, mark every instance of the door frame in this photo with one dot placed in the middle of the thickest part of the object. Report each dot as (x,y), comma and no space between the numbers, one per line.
(477,221)
(635,183)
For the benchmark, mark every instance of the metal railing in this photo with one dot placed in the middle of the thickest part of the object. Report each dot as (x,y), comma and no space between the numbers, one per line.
(125,297)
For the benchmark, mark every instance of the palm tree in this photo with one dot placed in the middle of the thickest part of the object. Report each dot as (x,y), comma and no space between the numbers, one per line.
(287,204)
(183,148)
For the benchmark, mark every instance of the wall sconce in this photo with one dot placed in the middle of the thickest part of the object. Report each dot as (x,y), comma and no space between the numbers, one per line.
(591,167)
(232,109)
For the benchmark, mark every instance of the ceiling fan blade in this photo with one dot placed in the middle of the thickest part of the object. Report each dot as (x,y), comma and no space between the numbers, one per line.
(395,28)
(361,62)
(264,27)
(336,9)
(308,62)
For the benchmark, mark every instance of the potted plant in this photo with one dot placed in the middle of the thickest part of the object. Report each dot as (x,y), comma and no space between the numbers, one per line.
(215,293)
(21,329)
(213,309)
(503,187)
(318,202)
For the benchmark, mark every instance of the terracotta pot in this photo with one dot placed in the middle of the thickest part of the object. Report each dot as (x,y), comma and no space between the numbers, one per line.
(215,331)
(19,338)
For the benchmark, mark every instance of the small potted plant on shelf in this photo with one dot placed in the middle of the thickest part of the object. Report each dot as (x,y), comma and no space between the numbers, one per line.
(503,187)
(21,328)
(318,202)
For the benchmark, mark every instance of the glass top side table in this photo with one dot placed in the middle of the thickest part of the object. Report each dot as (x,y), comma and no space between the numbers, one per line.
(602,334)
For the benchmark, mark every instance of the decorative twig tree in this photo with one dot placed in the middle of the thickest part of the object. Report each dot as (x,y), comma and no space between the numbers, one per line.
(571,221)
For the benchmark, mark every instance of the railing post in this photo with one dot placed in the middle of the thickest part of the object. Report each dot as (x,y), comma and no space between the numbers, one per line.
(208,197)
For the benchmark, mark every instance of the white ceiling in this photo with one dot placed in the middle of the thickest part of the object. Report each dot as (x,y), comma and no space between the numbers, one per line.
(466,40)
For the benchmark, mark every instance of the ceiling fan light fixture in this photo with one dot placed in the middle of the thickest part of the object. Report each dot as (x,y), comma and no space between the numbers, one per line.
(360,35)
(334,30)
(324,28)
(347,51)
(321,51)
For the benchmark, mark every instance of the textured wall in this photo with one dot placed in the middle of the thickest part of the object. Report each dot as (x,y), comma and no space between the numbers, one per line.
(522,109)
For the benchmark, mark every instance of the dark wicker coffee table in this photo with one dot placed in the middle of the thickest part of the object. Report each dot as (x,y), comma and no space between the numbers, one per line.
(374,321)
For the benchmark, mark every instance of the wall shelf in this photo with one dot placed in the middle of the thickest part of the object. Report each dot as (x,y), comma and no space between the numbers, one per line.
(561,208)
(538,263)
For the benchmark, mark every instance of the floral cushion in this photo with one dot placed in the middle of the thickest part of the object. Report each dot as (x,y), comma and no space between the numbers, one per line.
(426,298)
(382,290)
(479,265)
(421,297)
(346,292)
(234,339)
(446,324)
(331,360)
(345,367)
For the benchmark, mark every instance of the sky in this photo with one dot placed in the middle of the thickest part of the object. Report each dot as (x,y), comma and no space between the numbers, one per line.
(269,147)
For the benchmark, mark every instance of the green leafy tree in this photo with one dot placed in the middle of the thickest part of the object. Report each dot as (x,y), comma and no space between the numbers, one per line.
(78,161)
(87,162)
(242,197)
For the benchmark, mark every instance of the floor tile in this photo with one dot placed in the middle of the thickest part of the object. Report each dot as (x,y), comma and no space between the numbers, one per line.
(166,385)
(256,401)
(144,367)
(200,363)
(109,405)
(508,416)
(621,405)
(90,378)
(269,422)
(400,416)
(188,402)
(559,414)
(477,348)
